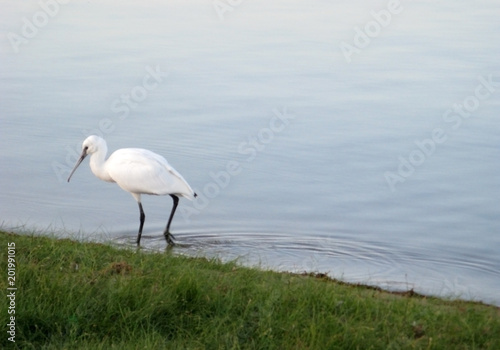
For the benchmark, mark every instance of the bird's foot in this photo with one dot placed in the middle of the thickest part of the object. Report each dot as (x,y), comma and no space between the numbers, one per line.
(170,238)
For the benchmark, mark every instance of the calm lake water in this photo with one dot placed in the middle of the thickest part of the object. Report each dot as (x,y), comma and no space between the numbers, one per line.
(354,138)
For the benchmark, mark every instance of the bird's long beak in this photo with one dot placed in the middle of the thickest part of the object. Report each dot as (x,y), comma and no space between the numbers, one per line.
(82,157)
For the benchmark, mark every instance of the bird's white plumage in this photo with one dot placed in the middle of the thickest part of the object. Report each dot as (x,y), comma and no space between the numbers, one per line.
(136,170)
(141,171)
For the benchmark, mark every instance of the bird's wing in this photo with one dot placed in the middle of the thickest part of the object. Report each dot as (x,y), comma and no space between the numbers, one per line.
(142,171)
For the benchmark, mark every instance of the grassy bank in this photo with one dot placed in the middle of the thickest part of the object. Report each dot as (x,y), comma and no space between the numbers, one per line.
(75,295)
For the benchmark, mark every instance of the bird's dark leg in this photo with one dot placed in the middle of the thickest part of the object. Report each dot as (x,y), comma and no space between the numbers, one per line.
(143,217)
(168,235)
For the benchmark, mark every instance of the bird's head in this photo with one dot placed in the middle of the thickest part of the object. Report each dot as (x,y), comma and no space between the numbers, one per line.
(91,145)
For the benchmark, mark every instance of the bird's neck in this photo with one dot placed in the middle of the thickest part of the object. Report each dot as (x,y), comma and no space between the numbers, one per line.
(98,165)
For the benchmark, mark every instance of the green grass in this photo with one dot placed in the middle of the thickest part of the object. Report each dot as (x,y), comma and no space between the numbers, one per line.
(74,295)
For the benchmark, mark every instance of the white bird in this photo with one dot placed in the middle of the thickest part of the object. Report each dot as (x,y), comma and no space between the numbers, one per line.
(138,171)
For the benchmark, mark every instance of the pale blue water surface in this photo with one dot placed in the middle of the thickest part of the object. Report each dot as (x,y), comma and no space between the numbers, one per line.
(318,139)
